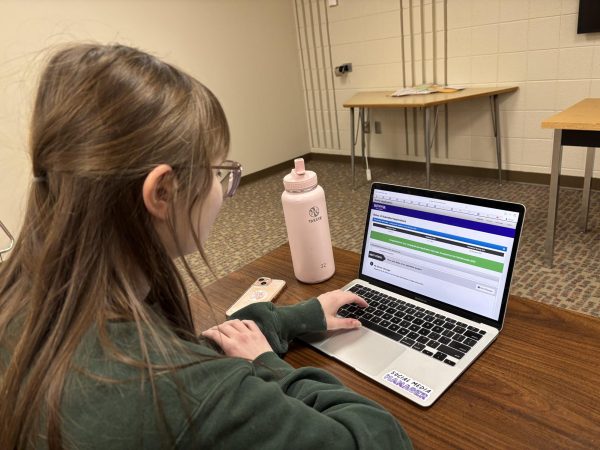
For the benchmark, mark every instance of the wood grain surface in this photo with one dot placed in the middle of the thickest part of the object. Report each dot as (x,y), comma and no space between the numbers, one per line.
(379,99)
(584,115)
(536,386)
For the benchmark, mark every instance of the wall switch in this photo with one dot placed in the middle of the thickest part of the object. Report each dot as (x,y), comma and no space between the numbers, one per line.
(332,2)
(377,125)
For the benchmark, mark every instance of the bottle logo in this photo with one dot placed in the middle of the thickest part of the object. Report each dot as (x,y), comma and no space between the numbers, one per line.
(314,213)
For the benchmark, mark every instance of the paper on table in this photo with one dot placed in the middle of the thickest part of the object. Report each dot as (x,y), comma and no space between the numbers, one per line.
(426,89)
(415,90)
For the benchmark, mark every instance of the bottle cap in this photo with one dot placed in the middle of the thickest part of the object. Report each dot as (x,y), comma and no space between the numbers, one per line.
(299,179)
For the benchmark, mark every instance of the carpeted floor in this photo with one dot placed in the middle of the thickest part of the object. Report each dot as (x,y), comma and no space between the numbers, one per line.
(251,224)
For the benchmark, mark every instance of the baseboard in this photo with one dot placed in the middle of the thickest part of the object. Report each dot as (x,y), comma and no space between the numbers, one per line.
(273,169)
(507,175)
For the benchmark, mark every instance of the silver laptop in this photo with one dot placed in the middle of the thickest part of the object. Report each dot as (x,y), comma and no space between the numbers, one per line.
(436,270)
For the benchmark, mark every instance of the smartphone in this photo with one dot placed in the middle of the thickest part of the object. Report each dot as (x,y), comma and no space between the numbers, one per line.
(262,290)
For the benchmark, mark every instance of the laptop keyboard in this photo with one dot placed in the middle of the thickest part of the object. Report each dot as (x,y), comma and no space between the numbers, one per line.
(432,334)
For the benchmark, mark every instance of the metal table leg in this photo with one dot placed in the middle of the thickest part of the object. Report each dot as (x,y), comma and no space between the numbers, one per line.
(426,149)
(587,184)
(429,133)
(361,116)
(496,126)
(352,143)
(553,197)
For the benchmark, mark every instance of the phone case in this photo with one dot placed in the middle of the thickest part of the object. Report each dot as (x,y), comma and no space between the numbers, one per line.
(263,289)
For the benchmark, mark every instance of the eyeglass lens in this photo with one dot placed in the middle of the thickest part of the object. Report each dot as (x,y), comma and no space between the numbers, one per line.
(229,175)
(226,182)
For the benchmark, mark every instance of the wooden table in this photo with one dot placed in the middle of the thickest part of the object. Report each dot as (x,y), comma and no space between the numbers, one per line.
(429,104)
(537,386)
(578,125)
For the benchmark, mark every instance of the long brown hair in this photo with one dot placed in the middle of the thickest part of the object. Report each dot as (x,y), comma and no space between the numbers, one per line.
(104,117)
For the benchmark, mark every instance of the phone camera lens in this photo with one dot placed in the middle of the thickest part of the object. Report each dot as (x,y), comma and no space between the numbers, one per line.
(263,283)
(261,279)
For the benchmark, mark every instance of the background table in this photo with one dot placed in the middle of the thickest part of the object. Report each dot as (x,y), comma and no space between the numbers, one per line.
(428,103)
(537,386)
(578,125)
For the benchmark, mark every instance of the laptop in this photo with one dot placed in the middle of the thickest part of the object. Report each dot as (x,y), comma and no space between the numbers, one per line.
(436,270)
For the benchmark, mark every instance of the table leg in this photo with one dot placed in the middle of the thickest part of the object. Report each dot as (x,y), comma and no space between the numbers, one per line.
(587,184)
(553,197)
(361,115)
(496,126)
(426,120)
(352,143)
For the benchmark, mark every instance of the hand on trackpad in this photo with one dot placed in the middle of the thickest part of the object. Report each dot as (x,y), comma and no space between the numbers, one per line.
(362,349)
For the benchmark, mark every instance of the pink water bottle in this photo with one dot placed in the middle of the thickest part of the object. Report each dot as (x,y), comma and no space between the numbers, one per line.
(307,225)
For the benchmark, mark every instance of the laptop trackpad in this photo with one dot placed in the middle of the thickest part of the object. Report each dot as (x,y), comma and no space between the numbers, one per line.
(365,350)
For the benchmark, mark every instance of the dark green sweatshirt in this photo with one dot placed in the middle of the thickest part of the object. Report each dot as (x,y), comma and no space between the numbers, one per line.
(225,403)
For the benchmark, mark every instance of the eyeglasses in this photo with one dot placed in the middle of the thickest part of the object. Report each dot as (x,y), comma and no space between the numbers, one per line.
(229,174)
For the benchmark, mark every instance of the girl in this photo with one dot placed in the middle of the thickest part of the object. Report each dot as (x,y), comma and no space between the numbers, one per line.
(97,344)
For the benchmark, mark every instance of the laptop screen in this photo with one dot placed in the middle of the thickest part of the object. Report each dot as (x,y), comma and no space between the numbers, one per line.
(455,250)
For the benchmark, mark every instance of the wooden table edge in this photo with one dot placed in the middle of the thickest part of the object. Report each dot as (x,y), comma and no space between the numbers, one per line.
(571,117)
(433,99)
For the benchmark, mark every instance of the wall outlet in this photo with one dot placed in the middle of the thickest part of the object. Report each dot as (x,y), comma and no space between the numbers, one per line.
(343,69)
(366,126)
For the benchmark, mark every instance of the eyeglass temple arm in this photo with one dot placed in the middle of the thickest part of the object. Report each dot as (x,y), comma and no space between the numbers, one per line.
(10,236)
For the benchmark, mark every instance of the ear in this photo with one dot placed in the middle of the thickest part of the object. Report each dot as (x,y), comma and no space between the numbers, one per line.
(158,191)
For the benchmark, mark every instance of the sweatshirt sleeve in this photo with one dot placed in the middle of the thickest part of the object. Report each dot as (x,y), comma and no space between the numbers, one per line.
(281,324)
(274,406)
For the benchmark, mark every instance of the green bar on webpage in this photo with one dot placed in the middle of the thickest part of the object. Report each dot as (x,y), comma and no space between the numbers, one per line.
(441,252)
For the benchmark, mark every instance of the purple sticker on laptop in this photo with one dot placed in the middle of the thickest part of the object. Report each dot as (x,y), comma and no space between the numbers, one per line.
(408,384)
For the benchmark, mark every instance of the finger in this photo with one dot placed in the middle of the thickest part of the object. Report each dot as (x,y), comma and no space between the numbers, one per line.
(251,325)
(236,325)
(215,335)
(224,329)
(340,323)
(361,302)
(208,333)
(210,330)
(351,297)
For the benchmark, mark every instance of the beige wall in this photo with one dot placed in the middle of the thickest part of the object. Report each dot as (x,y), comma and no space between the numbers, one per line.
(244,50)
(529,43)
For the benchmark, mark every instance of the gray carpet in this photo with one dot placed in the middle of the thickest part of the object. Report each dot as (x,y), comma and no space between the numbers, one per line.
(251,224)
